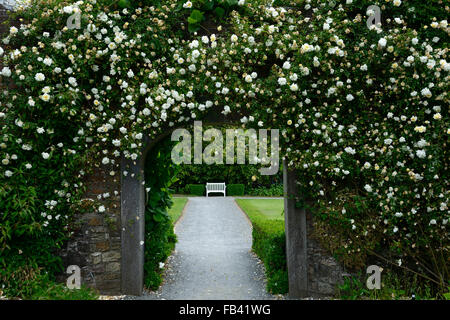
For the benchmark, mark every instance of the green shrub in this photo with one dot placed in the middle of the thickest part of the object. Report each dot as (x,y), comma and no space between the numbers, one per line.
(395,285)
(31,283)
(160,242)
(278,282)
(275,190)
(235,190)
(160,238)
(269,243)
(196,189)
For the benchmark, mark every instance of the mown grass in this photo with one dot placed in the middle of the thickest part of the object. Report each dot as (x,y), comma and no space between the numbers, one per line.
(177,208)
(271,209)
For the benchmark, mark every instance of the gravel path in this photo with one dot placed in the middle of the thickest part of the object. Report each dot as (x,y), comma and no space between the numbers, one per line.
(212,259)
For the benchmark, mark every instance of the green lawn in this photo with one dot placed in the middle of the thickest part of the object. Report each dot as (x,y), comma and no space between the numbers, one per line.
(177,208)
(270,209)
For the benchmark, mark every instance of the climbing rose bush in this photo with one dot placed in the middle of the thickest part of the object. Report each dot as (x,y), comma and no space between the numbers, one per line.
(363,111)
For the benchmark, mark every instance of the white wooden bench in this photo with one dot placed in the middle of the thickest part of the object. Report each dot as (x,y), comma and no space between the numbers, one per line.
(215,187)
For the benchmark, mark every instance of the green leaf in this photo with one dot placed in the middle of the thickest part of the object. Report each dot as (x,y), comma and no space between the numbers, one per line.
(154,199)
(196,15)
(209,5)
(192,21)
(158,217)
(124,4)
(220,12)
(193,27)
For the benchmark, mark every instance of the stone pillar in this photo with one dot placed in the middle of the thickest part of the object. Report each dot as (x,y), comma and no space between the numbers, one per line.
(133,226)
(296,237)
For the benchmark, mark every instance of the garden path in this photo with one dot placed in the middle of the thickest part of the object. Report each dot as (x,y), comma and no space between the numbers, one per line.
(213,258)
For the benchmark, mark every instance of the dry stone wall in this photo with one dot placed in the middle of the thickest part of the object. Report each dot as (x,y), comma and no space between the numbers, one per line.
(96,243)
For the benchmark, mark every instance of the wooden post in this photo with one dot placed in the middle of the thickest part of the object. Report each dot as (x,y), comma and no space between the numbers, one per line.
(296,238)
(133,226)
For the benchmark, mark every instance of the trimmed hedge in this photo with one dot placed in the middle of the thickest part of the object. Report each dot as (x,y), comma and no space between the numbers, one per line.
(269,243)
(235,190)
(196,189)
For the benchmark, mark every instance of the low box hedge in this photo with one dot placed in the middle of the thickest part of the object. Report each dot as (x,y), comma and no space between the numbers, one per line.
(269,243)
(196,189)
(235,190)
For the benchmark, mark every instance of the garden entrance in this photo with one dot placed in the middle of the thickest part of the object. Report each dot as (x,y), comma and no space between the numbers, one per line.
(310,271)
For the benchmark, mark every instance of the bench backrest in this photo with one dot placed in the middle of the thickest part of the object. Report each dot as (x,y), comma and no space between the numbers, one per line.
(215,186)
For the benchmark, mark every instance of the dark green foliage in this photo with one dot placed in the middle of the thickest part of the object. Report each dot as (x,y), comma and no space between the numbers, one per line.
(201,9)
(396,284)
(160,238)
(230,174)
(195,19)
(235,190)
(275,190)
(196,189)
(269,243)
(278,282)
(245,174)
(31,282)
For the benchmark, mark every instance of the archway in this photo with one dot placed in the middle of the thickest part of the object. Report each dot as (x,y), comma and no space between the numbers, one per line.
(307,274)
(133,210)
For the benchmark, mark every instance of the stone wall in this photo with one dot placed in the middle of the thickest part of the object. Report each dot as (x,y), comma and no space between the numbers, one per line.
(3,16)
(324,272)
(96,243)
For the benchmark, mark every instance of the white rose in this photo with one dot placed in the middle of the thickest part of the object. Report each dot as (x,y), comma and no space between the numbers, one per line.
(39,77)
(282,81)
(6,72)
(187,5)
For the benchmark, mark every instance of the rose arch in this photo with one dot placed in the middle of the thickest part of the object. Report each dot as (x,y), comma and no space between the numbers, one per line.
(302,254)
